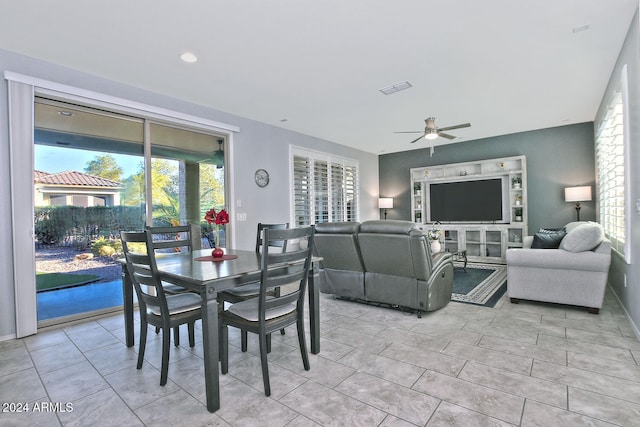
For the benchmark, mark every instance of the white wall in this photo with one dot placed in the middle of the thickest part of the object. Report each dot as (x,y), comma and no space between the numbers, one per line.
(256,146)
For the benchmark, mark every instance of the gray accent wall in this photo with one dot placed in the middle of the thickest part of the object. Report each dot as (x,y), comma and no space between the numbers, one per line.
(556,158)
(257,145)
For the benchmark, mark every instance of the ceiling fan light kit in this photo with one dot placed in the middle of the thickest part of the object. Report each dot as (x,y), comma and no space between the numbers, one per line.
(431,131)
(431,134)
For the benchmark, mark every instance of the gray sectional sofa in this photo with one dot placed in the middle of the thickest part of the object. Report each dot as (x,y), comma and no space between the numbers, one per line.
(574,273)
(383,261)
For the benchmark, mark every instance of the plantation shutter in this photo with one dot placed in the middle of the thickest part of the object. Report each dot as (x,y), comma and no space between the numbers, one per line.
(337,193)
(611,173)
(325,188)
(301,191)
(321,191)
(352,195)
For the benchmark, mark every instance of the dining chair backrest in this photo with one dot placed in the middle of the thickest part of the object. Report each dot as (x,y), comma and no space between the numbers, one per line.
(272,242)
(293,274)
(176,238)
(143,271)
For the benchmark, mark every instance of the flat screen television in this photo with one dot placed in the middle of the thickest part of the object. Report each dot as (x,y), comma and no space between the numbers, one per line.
(482,200)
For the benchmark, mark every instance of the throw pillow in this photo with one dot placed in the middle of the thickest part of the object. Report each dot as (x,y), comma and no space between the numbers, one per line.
(584,237)
(548,238)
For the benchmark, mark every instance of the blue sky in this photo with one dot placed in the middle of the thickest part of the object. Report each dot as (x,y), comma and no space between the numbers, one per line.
(57,159)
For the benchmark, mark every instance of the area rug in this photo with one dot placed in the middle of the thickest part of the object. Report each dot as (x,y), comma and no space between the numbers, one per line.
(481,284)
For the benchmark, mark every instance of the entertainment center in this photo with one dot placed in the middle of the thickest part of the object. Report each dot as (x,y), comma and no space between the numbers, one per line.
(480,207)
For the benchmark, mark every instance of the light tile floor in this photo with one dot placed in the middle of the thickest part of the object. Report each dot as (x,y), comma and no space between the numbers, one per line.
(525,365)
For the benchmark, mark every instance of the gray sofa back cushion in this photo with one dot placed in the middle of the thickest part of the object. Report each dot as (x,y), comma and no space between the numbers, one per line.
(337,242)
(582,237)
(395,248)
(387,226)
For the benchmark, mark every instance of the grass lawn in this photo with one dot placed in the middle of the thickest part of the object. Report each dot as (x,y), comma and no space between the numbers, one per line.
(46,281)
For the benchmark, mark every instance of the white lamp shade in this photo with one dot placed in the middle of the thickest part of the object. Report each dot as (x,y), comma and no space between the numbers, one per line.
(577,194)
(385,203)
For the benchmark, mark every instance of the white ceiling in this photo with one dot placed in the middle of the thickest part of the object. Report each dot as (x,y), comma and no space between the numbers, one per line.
(505,66)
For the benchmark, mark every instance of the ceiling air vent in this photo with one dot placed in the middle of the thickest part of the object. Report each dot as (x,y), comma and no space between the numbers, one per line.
(396,88)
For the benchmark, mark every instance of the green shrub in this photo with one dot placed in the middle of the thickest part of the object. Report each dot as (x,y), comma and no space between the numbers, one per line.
(103,246)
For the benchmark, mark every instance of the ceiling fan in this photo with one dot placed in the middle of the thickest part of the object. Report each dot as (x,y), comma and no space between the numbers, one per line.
(432,132)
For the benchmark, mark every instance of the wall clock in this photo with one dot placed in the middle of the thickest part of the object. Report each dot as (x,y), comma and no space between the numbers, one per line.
(262,178)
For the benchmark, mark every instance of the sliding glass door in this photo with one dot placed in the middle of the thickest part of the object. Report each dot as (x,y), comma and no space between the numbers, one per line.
(92,178)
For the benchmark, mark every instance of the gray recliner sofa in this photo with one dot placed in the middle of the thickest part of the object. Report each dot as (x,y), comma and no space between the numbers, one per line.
(383,261)
(574,274)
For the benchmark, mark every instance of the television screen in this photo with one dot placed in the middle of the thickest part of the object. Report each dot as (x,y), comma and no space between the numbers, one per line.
(477,200)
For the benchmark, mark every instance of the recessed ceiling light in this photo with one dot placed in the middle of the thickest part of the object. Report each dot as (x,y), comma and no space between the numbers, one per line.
(189,57)
(65,113)
(284,120)
(396,87)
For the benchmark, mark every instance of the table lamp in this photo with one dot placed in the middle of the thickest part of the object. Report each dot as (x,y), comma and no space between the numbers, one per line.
(577,194)
(385,203)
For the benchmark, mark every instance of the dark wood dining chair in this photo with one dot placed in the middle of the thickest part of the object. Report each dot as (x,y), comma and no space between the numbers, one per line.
(252,290)
(267,313)
(176,238)
(180,238)
(157,308)
(272,243)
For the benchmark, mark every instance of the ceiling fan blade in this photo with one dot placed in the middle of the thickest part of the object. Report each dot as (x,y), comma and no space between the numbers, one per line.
(464,125)
(410,131)
(446,135)
(417,139)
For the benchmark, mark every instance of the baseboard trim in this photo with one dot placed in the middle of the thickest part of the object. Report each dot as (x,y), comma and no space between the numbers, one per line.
(636,331)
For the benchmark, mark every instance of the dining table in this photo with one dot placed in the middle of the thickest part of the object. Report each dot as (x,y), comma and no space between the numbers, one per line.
(197,271)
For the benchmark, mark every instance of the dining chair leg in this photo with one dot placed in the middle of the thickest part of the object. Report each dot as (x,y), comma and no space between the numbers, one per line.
(243,340)
(277,294)
(192,334)
(166,347)
(143,342)
(268,343)
(263,360)
(176,336)
(224,348)
(303,346)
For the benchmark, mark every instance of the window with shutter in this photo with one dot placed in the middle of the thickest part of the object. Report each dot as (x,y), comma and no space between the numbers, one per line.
(325,188)
(611,170)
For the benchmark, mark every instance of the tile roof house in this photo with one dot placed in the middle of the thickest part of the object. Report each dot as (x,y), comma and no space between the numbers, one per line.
(73,188)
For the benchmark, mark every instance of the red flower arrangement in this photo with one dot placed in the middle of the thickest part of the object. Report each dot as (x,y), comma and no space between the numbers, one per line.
(220,218)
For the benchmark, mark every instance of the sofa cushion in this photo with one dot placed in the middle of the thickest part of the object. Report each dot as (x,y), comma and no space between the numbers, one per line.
(584,237)
(548,238)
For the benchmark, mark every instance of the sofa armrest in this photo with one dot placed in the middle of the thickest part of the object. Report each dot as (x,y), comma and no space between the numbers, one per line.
(558,259)
(437,260)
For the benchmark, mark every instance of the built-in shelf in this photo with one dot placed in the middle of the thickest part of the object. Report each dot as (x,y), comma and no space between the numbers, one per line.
(485,242)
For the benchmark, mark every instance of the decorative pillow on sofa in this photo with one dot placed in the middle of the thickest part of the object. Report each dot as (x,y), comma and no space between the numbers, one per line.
(584,237)
(548,238)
